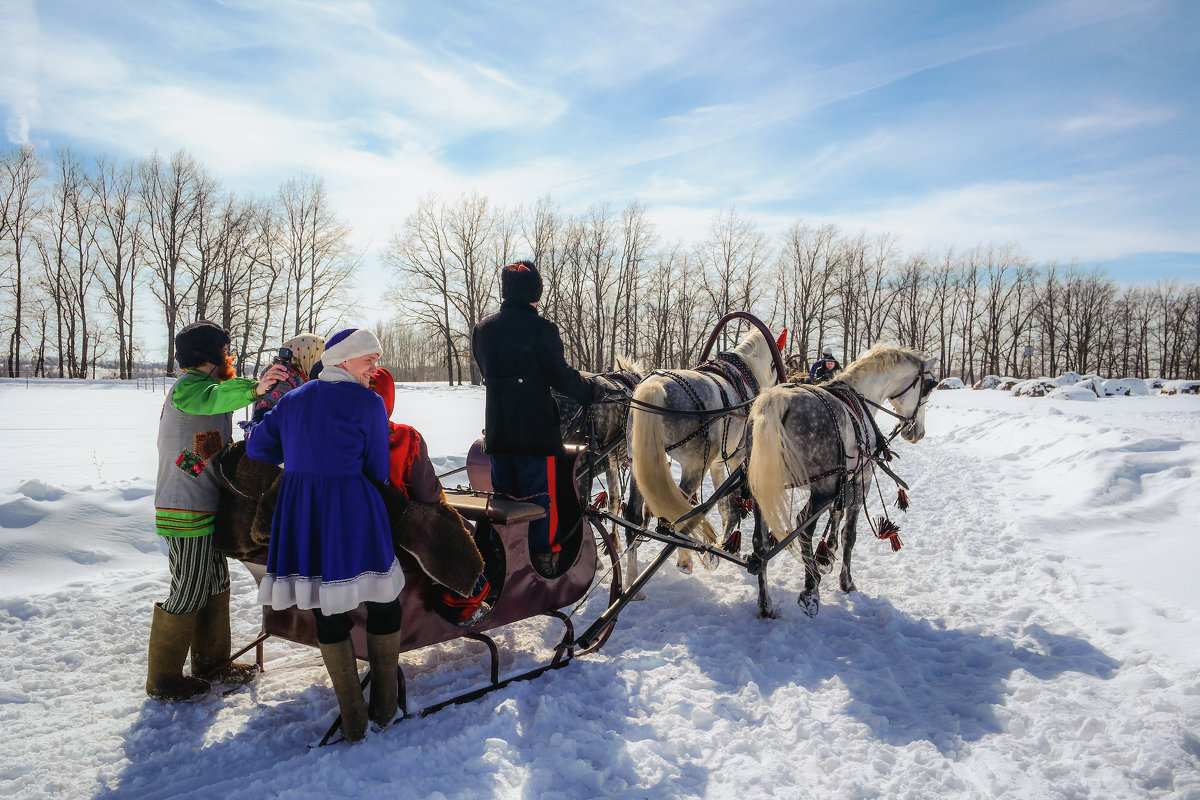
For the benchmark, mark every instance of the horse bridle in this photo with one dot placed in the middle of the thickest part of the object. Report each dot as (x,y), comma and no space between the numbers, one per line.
(927,381)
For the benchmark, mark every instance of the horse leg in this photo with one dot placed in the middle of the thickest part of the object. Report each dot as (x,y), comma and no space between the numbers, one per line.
(689,482)
(827,547)
(635,514)
(766,608)
(810,598)
(849,536)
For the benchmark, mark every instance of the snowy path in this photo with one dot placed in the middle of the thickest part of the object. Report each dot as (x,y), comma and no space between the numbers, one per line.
(1032,639)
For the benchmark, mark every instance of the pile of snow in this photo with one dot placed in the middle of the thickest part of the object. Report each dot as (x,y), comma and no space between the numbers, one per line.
(1180,387)
(1126,387)
(1037,387)
(987,382)
(1037,636)
(1080,391)
(950,383)
(1069,379)
(1093,384)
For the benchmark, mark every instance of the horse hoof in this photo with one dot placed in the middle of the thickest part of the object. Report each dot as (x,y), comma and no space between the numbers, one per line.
(768,613)
(848,587)
(709,561)
(686,569)
(810,603)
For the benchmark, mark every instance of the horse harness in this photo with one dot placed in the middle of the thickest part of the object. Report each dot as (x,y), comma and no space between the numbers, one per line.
(737,373)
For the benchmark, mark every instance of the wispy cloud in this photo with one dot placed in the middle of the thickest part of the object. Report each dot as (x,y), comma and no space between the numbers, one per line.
(963,123)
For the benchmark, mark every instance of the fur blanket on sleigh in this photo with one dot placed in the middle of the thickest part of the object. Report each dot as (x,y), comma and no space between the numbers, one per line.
(432,533)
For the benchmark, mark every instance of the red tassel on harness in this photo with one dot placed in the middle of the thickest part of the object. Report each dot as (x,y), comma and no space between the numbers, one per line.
(600,502)
(889,530)
(781,342)
(901,500)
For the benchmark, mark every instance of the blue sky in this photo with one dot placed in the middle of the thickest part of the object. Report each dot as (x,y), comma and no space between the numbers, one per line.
(1067,127)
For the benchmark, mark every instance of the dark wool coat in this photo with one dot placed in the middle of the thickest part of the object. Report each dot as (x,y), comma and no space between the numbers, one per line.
(521,357)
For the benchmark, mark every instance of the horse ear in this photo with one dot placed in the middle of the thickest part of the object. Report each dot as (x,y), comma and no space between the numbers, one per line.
(930,364)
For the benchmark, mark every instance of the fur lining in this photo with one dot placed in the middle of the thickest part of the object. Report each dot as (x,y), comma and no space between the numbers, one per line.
(432,533)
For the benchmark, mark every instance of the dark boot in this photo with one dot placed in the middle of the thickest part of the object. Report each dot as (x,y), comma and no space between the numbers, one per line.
(211,644)
(343,673)
(170,639)
(384,655)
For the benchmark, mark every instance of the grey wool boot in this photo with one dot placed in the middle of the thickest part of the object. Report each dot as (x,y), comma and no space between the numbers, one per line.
(170,640)
(343,673)
(383,653)
(211,644)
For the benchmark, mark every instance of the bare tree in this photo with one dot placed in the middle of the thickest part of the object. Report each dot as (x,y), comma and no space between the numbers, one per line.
(120,243)
(320,260)
(170,199)
(21,171)
(732,259)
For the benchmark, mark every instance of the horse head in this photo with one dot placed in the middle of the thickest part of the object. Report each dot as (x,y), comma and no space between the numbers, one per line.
(910,398)
(900,375)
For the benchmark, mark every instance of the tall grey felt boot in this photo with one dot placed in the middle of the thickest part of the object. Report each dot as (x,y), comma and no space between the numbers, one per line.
(383,652)
(170,640)
(343,673)
(212,641)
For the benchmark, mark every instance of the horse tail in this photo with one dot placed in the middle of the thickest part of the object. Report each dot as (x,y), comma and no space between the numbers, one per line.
(770,467)
(651,467)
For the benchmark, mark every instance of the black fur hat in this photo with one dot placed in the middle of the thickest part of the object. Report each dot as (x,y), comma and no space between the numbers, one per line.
(200,343)
(521,283)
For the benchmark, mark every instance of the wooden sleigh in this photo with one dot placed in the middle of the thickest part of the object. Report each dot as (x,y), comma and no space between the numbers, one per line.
(522,592)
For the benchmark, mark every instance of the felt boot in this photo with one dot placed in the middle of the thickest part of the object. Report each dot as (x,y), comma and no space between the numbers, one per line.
(343,673)
(384,655)
(170,639)
(211,644)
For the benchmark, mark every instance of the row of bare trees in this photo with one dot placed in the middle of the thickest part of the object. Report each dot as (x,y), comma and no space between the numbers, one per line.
(86,244)
(91,250)
(615,289)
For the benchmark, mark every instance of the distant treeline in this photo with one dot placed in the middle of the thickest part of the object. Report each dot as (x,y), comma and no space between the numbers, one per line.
(85,244)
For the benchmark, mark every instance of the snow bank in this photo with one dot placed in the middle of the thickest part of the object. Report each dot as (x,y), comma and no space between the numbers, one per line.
(1038,636)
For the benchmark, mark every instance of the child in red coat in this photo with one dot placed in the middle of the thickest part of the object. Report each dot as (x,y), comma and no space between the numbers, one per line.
(413,474)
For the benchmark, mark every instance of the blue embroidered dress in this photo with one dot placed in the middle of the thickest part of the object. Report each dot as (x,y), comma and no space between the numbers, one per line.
(331,543)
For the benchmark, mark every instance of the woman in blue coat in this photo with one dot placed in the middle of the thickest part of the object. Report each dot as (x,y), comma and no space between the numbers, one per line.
(331,543)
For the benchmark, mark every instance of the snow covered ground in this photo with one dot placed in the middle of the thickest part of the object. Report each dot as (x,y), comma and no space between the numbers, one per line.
(1037,637)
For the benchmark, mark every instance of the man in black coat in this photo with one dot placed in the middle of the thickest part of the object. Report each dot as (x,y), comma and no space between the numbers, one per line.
(521,357)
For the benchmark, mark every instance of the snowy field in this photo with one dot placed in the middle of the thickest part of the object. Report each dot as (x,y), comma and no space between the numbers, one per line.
(1037,637)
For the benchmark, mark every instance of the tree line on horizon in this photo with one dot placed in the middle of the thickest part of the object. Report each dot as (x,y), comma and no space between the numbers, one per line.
(86,244)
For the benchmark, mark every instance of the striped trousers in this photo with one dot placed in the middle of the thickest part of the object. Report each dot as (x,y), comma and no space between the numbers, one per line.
(198,572)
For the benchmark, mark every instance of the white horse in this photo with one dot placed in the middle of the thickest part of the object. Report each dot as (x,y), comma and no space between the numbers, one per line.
(700,441)
(823,438)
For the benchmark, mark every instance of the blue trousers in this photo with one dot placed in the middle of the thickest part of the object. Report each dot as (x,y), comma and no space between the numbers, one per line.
(531,479)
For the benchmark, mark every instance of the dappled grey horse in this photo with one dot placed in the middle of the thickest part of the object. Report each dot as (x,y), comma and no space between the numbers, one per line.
(823,439)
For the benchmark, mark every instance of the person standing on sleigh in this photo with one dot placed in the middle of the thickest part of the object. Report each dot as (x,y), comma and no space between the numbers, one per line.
(413,474)
(195,424)
(521,357)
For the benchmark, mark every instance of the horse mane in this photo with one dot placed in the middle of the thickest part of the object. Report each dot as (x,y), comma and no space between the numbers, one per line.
(756,351)
(627,364)
(880,358)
